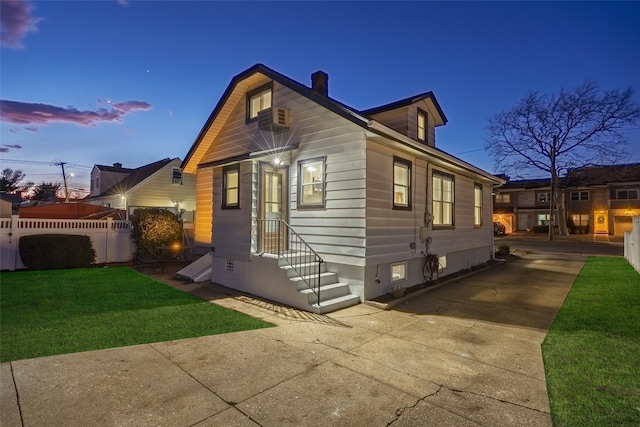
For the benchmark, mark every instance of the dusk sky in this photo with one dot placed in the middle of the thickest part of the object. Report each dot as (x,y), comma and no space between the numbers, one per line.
(99,82)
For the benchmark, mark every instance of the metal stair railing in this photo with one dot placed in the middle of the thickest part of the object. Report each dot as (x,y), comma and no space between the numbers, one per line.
(277,237)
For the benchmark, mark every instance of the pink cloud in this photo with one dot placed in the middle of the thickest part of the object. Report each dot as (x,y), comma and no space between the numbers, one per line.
(15,22)
(24,113)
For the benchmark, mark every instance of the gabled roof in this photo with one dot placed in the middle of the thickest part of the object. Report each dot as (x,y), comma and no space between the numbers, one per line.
(135,177)
(525,184)
(239,82)
(602,175)
(583,177)
(327,102)
(15,199)
(120,169)
(406,102)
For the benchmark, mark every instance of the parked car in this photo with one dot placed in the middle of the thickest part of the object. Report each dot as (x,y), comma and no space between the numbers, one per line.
(498,229)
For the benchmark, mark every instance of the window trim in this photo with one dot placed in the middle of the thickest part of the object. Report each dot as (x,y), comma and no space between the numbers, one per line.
(501,196)
(408,164)
(626,191)
(267,87)
(323,184)
(225,171)
(579,196)
(422,113)
(547,198)
(452,178)
(173,176)
(477,185)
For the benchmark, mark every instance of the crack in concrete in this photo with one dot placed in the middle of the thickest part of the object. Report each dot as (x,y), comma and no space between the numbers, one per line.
(453,390)
(401,411)
(15,387)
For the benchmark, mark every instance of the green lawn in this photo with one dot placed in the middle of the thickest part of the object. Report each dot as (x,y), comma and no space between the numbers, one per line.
(43,313)
(592,352)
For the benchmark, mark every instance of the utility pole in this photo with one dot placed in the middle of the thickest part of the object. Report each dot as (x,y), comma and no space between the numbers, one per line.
(64,179)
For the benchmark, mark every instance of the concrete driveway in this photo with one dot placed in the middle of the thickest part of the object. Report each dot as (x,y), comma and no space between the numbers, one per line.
(465,354)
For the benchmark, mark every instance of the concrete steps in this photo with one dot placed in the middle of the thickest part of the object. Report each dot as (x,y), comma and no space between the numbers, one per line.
(333,294)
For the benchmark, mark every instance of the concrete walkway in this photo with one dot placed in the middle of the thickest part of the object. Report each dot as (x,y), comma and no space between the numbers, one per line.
(465,354)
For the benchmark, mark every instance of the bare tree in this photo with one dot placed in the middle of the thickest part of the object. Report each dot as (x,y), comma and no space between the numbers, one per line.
(11,181)
(46,192)
(576,127)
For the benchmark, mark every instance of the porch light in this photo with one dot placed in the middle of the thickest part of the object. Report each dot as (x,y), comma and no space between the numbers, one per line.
(277,161)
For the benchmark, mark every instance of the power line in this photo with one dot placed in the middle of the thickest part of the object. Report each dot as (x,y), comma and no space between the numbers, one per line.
(43,163)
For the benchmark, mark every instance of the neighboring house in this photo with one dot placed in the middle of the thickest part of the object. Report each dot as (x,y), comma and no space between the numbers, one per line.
(159,185)
(367,191)
(9,204)
(75,210)
(598,199)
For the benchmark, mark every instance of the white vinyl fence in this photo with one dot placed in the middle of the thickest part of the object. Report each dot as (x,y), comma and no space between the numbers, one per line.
(632,244)
(110,238)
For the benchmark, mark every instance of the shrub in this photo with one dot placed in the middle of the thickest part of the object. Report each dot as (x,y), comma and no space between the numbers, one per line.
(56,251)
(153,228)
(540,229)
(503,251)
(397,291)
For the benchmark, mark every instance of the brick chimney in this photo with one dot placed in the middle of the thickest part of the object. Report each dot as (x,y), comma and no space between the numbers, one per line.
(117,166)
(320,83)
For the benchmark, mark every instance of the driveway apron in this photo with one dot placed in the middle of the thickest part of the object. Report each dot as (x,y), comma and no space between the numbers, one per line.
(465,354)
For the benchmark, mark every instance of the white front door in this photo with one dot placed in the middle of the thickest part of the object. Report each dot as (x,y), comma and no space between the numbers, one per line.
(273,209)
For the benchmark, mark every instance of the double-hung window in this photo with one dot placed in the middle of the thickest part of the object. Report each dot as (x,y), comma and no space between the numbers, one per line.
(477,205)
(422,126)
(503,198)
(311,183)
(544,197)
(579,195)
(257,100)
(443,200)
(401,184)
(176,176)
(627,194)
(231,187)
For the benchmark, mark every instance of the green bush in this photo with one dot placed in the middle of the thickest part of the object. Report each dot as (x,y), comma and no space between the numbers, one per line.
(153,228)
(540,229)
(56,251)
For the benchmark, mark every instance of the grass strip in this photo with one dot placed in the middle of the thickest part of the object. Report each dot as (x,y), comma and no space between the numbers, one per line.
(43,313)
(592,351)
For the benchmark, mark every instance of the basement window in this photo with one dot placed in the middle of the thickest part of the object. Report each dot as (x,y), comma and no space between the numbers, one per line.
(399,271)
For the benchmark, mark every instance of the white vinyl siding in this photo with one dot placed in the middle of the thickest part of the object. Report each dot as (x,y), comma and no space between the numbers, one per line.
(232,227)
(157,191)
(204,203)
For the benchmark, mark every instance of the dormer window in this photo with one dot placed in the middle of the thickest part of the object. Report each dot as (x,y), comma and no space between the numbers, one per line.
(176,176)
(257,100)
(422,126)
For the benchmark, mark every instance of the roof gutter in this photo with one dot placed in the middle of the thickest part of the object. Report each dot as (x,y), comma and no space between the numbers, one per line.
(387,132)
